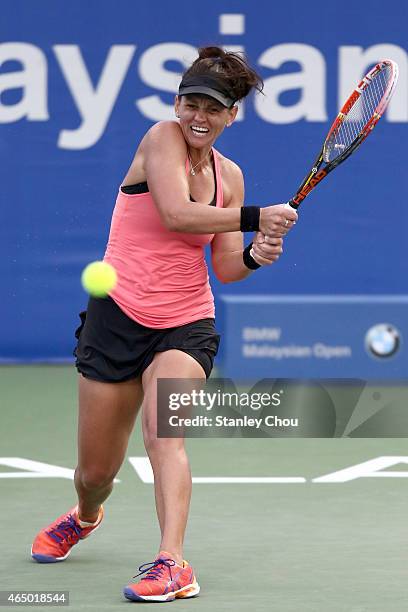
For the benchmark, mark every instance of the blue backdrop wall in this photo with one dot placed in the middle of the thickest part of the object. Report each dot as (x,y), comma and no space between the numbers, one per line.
(80,83)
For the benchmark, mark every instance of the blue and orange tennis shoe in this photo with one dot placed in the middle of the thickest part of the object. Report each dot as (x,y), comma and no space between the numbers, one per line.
(165,580)
(55,542)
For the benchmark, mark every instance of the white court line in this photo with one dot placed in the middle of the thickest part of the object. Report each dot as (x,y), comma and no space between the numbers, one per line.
(35,469)
(144,471)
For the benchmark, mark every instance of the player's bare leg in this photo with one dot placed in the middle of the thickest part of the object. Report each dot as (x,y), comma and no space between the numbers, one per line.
(172,476)
(107,413)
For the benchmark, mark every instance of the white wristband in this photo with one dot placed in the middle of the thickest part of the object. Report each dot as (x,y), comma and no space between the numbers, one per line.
(252,254)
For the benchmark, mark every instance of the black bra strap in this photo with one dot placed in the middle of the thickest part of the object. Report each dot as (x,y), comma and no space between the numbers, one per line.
(134,189)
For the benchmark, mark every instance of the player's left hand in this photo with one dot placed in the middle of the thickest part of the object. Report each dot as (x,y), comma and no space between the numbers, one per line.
(266,249)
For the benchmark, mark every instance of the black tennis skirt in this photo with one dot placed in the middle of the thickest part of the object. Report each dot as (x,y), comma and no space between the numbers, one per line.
(113,348)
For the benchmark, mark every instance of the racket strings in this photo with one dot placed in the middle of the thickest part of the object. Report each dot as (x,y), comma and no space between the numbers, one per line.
(358,116)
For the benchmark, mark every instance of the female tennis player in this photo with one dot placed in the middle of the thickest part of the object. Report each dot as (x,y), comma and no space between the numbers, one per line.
(178,196)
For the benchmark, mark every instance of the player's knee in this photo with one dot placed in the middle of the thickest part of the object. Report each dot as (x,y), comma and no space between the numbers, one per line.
(162,446)
(95,478)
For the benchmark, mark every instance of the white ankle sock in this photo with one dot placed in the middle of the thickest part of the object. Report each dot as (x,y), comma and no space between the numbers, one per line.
(85,523)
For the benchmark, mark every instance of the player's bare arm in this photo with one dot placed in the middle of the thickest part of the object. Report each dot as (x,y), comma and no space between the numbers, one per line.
(165,152)
(227,248)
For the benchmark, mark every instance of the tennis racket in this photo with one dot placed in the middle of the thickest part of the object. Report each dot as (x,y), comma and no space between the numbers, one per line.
(357,118)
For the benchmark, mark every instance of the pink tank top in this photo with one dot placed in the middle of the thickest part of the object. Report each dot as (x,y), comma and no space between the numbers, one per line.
(162,275)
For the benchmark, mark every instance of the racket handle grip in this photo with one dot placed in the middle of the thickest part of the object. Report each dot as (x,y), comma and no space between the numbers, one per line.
(291,205)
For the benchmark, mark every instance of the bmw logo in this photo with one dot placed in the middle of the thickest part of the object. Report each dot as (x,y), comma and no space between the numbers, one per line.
(382,340)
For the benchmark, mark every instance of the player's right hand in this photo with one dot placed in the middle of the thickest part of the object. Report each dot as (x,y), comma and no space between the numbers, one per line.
(265,249)
(276,220)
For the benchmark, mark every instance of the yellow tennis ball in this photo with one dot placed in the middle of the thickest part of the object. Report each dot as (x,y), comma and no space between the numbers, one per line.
(98,278)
